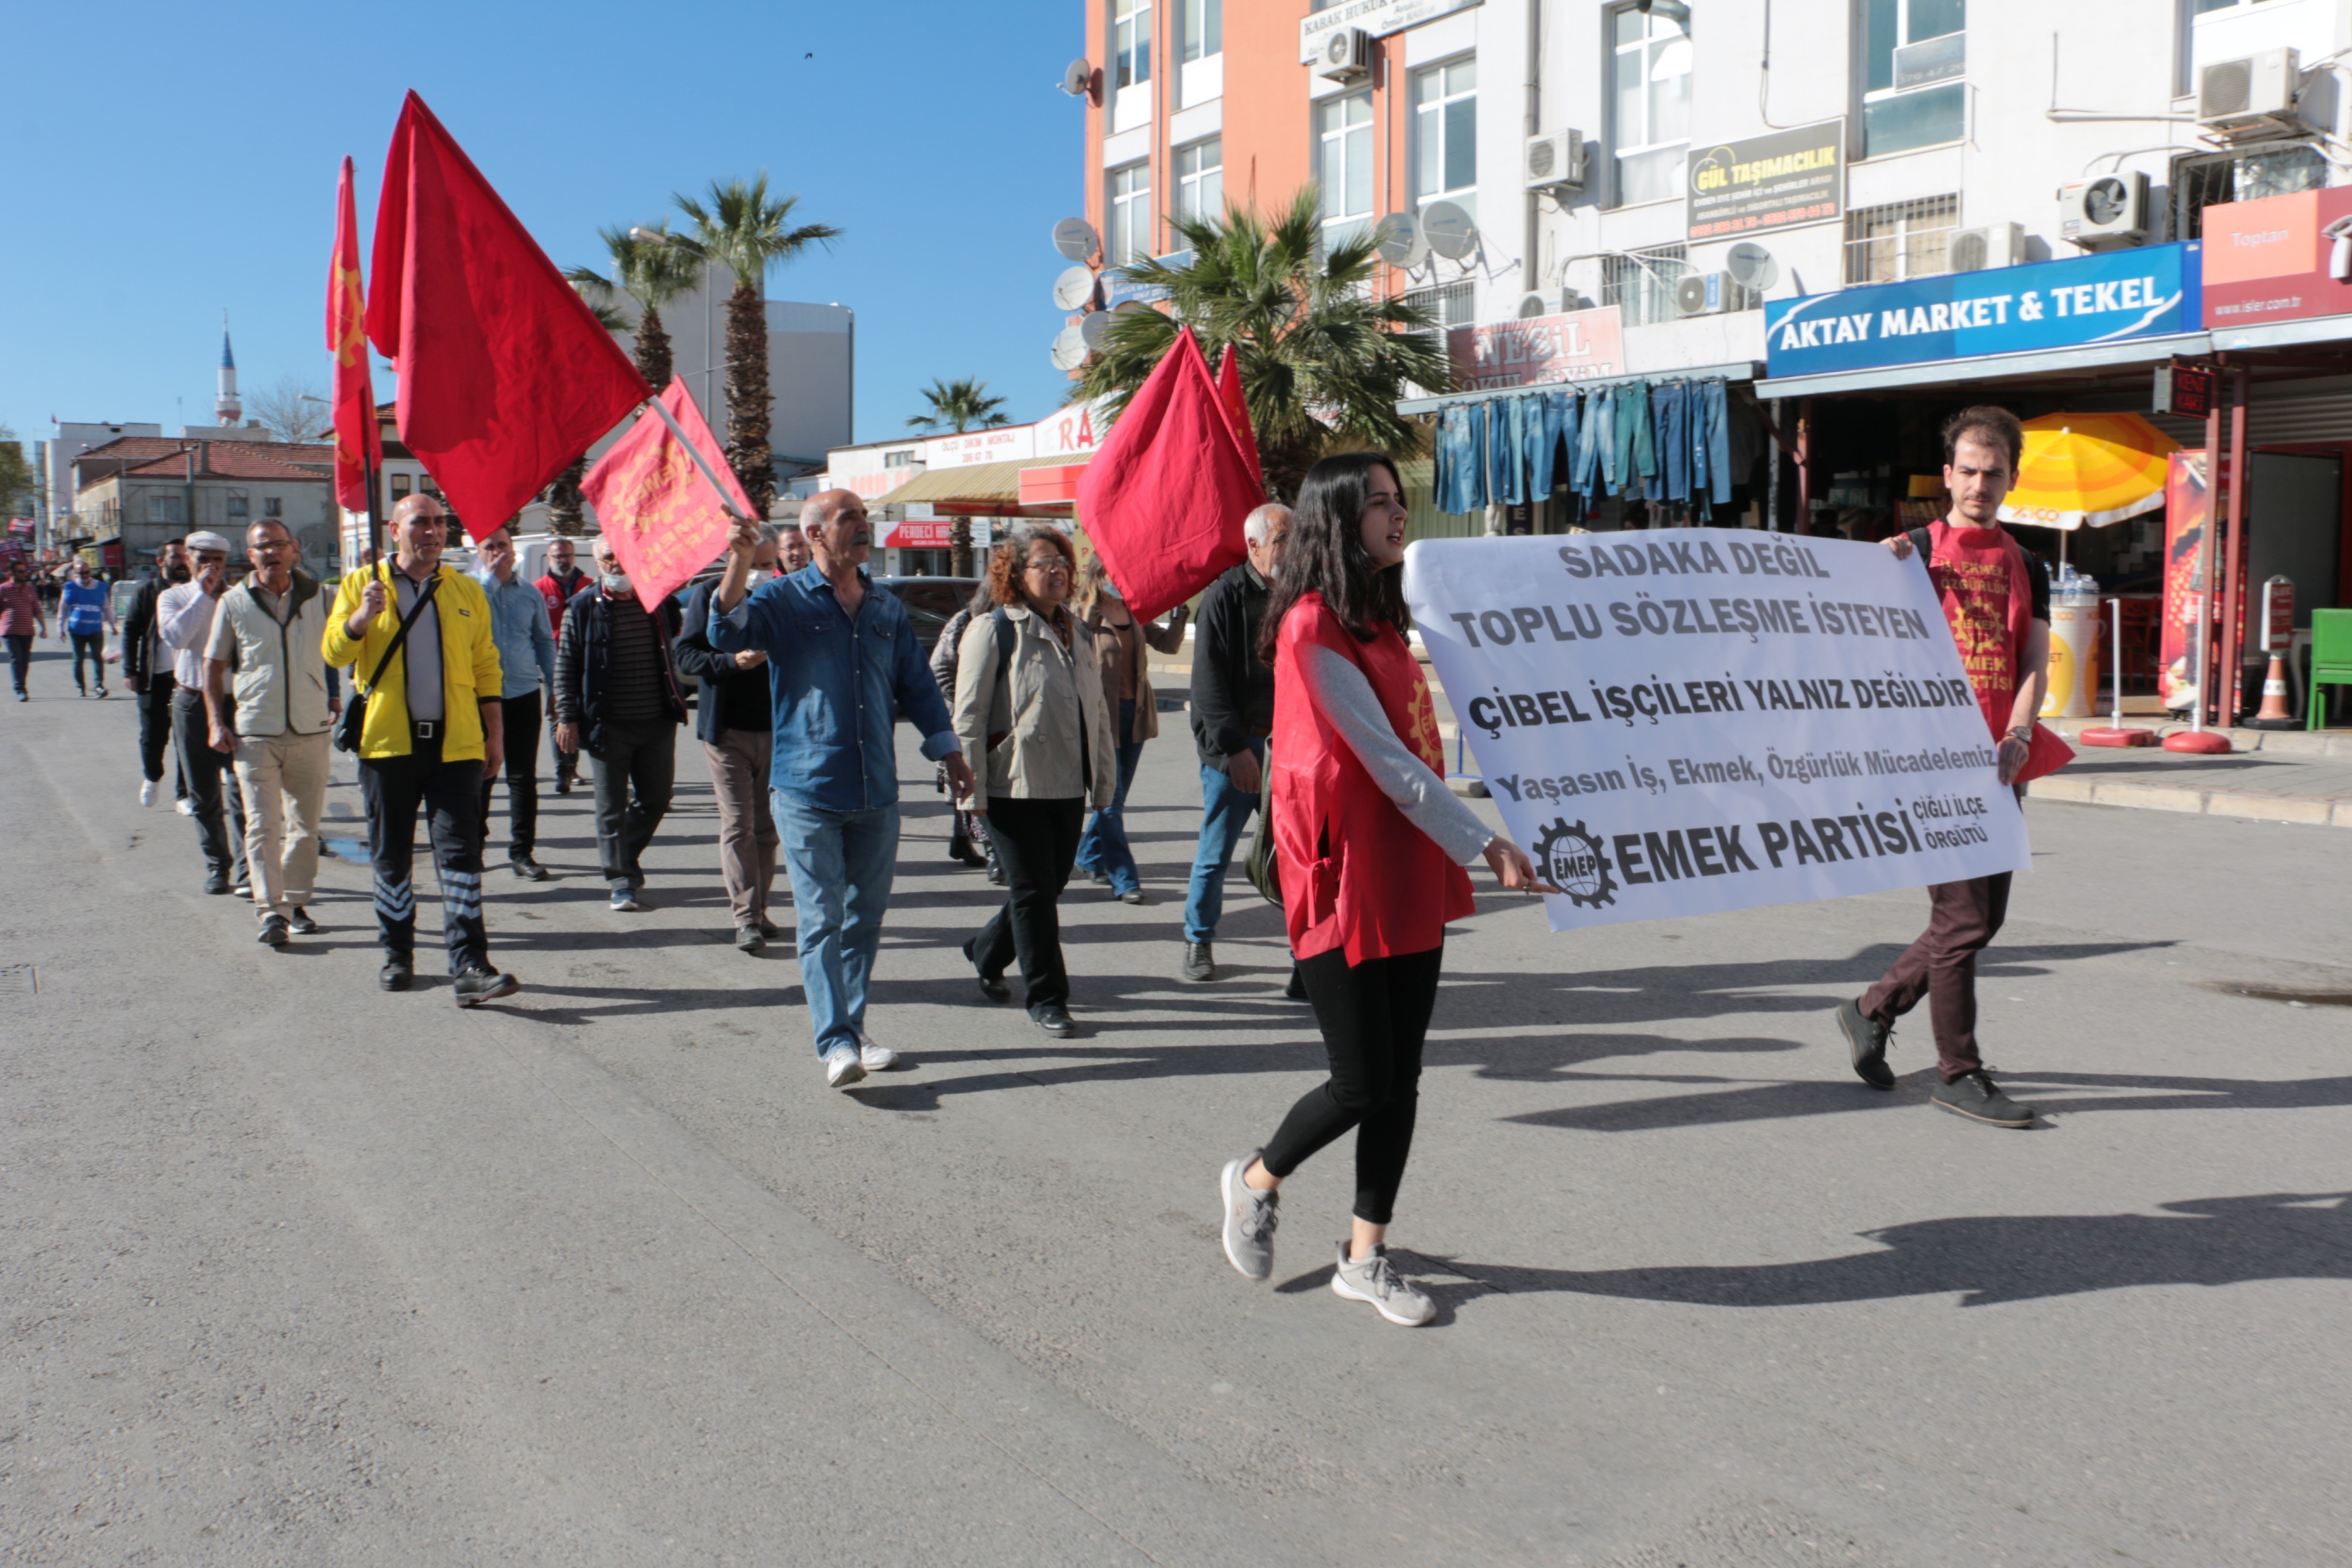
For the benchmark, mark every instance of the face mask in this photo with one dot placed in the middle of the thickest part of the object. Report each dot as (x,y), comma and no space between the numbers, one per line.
(615,582)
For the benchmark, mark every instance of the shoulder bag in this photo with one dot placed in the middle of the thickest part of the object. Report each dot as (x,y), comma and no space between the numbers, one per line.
(354,720)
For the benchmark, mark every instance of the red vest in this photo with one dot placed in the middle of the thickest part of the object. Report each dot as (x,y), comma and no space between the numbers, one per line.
(1354,871)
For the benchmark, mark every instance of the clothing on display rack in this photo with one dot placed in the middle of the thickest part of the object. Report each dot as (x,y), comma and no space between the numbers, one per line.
(1670,441)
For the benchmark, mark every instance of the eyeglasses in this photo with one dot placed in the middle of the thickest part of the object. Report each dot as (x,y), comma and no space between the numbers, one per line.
(275,545)
(1057,566)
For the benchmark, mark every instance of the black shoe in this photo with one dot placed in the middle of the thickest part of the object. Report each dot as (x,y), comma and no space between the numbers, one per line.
(1976,1097)
(992,987)
(995,871)
(1297,989)
(1200,961)
(1054,1019)
(1097,875)
(748,939)
(1867,1038)
(527,869)
(483,984)
(968,856)
(101,693)
(396,974)
(301,924)
(1132,895)
(769,928)
(273,931)
(563,784)
(215,883)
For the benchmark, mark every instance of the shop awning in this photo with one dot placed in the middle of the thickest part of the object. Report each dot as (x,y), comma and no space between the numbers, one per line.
(992,489)
(2089,470)
(1988,367)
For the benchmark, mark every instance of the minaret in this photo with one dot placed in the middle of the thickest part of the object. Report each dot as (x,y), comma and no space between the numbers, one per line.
(227,409)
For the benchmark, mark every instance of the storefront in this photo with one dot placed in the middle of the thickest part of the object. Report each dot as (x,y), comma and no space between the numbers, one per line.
(916,523)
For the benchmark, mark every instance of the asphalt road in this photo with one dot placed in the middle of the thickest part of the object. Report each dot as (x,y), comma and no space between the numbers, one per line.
(296,1271)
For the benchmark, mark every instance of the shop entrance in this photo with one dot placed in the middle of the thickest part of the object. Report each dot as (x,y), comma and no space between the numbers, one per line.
(2294,527)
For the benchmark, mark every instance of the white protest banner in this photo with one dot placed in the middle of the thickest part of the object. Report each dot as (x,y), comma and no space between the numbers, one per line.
(1681,721)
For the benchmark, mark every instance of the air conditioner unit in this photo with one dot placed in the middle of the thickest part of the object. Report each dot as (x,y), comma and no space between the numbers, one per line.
(2255,93)
(1710,293)
(1982,250)
(1347,55)
(1556,163)
(2111,210)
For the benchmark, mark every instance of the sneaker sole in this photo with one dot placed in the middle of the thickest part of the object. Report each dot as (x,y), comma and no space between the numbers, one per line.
(1341,1289)
(1983,1121)
(856,1073)
(1856,1055)
(507,985)
(1226,1185)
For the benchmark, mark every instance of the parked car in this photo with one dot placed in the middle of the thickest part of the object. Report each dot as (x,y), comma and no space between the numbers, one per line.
(931,601)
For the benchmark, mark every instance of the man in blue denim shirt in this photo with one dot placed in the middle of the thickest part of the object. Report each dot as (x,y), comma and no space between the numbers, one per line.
(843,662)
(526,659)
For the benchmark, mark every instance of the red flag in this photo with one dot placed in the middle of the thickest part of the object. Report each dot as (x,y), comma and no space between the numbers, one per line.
(505,373)
(358,439)
(664,521)
(1229,392)
(1163,499)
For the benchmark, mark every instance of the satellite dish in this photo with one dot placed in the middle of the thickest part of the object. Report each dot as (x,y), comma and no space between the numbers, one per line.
(1449,230)
(1079,80)
(1069,348)
(1094,329)
(1073,288)
(1399,242)
(1074,238)
(1751,267)
(1532,305)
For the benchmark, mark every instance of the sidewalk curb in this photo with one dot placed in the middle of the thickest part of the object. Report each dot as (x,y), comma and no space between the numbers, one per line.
(2310,810)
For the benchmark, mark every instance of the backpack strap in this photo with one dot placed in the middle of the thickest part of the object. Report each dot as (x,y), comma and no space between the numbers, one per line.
(1007,636)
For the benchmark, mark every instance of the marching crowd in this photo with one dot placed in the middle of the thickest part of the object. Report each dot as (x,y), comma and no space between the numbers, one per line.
(1307,706)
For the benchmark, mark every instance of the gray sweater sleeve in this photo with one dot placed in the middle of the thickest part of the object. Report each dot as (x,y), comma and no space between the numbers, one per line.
(1340,690)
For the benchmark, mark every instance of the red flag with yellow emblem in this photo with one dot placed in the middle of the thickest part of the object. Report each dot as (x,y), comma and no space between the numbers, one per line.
(662,517)
(359,440)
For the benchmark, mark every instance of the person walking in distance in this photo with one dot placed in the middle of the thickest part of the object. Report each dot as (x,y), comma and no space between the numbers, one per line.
(184,622)
(21,619)
(557,588)
(1120,641)
(271,704)
(430,734)
(1371,846)
(1030,700)
(842,664)
(526,664)
(1233,714)
(147,670)
(85,615)
(1997,601)
(968,833)
(616,694)
(735,723)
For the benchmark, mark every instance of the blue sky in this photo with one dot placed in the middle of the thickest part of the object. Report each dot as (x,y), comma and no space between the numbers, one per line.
(165,162)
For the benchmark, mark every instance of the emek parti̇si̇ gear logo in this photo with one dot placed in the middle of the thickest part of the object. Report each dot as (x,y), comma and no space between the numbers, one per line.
(1570,859)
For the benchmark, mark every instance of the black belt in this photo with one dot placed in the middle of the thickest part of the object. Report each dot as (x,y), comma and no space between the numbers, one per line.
(425,728)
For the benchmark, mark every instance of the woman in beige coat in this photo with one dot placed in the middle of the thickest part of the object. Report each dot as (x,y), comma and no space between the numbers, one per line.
(1120,640)
(1029,700)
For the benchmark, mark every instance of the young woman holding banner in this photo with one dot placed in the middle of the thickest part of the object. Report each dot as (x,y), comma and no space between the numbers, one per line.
(1371,846)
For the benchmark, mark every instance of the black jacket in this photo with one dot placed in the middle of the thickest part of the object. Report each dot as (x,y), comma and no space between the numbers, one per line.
(583,655)
(1233,688)
(136,628)
(731,698)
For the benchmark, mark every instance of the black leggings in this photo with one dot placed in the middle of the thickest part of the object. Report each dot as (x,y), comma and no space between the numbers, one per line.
(1374,1016)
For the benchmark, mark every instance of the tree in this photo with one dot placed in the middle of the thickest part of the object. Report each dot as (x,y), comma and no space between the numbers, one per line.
(294,410)
(959,406)
(1323,363)
(653,272)
(740,225)
(16,476)
(566,513)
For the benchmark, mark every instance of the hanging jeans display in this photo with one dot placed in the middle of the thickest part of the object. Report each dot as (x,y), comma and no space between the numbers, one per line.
(1461,471)
(1596,463)
(1637,453)
(1556,424)
(1507,479)
(1711,439)
(1670,406)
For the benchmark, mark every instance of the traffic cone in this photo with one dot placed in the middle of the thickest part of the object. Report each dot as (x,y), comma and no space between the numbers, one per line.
(2277,710)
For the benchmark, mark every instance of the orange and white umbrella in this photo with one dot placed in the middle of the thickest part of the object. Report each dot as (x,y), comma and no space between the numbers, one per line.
(2088,469)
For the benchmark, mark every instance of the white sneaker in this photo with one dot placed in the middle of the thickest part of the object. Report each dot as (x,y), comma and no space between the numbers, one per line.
(147,792)
(187,807)
(873,1055)
(842,1067)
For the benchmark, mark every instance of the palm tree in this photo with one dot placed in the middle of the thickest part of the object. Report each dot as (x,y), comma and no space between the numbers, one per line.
(746,230)
(653,272)
(565,513)
(1323,363)
(959,405)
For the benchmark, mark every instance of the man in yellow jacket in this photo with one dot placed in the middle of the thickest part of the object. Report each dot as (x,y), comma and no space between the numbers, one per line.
(431,737)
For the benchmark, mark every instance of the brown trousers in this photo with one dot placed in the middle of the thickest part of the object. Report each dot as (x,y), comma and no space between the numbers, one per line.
(747,832)
(1963,916)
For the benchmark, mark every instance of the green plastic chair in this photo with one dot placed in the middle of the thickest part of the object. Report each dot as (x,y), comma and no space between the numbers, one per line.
(2331,659)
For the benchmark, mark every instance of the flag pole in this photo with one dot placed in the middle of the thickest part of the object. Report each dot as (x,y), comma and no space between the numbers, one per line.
(726,502)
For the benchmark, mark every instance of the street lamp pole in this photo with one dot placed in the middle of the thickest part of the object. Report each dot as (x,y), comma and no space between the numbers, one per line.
(710,345)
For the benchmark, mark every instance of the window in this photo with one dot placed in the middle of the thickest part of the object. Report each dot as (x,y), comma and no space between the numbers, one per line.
(1446,134)
(1456,304)
(1130,48)
(167,508)
(1641,283)
(1343,164)
(1904,239)
(1202,24)
(898,460)
(1651,106)
(272,507)
(239,508)
(1914,56)
(399,488)
(1131,215)
(1200,181)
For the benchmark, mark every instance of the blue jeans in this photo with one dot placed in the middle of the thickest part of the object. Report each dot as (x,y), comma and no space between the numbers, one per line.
(1711,441)
(1104,847)
(841,863)
(1225,813)
(1670,401)
(1461,482)
(1596,444)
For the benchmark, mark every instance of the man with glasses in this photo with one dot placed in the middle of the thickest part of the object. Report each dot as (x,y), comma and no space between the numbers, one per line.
(184,623)
(845,662)
(272,702)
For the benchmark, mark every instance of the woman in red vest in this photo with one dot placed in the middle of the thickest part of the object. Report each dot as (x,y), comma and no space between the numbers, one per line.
(1371,846)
